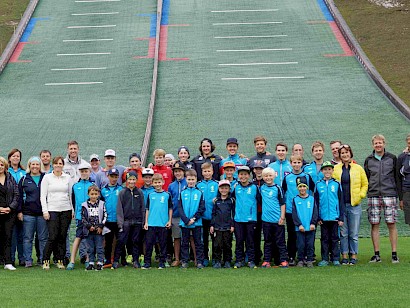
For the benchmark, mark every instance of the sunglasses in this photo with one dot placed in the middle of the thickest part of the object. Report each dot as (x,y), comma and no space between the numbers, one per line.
(344,146)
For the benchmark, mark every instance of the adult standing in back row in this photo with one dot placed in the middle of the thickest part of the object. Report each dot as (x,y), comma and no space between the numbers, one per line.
(403,171)
(381,172)
(206,149)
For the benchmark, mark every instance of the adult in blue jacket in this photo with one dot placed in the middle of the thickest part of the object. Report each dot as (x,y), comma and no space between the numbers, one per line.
(281,166)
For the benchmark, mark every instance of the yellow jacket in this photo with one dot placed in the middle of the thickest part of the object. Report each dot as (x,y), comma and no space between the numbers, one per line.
(358,182)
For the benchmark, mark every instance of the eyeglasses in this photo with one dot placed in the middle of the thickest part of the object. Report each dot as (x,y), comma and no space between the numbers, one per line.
(344,146)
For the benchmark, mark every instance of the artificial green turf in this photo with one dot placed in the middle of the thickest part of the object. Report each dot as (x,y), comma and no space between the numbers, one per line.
(363,285)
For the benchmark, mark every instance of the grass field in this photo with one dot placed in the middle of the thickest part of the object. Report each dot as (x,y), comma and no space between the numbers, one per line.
(364,285)
(10,15)
(384,34)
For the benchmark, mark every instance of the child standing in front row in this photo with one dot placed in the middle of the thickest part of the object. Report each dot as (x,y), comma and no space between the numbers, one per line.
(158,217)
(273,219)
(222,225)
(209,188)
(191,208)
(247,196)
(94,215)
(305,214)
(329,198)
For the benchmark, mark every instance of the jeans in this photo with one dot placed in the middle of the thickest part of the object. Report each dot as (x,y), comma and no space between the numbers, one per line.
(95,246)
(349,232)
(17,242)
(31,225)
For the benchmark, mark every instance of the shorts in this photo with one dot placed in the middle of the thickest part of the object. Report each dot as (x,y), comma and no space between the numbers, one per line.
(176,230)
(375,206)
(79,231)
(406,207)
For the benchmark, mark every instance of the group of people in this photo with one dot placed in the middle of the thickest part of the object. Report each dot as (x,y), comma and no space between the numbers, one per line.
(189,209)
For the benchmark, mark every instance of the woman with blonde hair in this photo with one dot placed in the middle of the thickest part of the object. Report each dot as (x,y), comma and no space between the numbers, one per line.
(8,210)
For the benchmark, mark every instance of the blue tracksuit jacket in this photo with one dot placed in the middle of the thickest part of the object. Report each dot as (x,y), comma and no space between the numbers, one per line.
(282,168)
(329,198)
(175,189)
(304,212)
(210,191)
(290,189)
(110,195)
(311,169)
(158,205)
(272,199)
(191,204)
(80,195)
(247,197)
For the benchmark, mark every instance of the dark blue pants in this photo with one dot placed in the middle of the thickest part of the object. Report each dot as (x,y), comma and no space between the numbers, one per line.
(305,242)
(222,244)
(206,225)
(291,243)
(245,234)
(274,233)
(155,235)
(128,231)
(329,240)
(199,245)
(95,246)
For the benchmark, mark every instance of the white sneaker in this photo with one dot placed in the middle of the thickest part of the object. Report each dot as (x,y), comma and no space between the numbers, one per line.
(9,267)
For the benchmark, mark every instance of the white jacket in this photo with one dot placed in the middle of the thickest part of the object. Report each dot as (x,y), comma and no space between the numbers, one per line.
(56,193)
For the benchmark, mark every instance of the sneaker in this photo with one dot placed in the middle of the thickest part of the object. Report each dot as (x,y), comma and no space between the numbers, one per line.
(345,261)
(206,262)
(70,266)
(284,264)
(86,264)
(22,263)
(83,259)
(114,265)
(184,265)
(252,264)
(46,265)
(29,264)
(99,267)
(90,267)
(107,265)
(353,261)
(217,265)
(375,259)
(227,264)
(292,262)
(9,267)
(60,264)
(395,260)
(146,267)
(266,265)
(238,265)
(323,263)
(200,266)
(336,263)
(176,263)
(136,264)
(161,266)
(167,264)
(309,264)
(300,264)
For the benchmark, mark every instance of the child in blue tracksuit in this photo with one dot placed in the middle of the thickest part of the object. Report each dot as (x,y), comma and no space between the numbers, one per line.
(222,225)
(232,146)
(110,194)
(93,216)
(147,188)
(290,191)
(305,215)
(247,196)
(209,187)
(329,198)
(79,196)
(175,189)
(273,219)
(191,208)
(158,219)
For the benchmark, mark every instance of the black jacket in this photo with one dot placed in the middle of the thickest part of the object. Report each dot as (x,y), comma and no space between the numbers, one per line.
(214,159)
(223,213)
(130,207)
(12,196)
(382,175)
(403,172)
(29,201)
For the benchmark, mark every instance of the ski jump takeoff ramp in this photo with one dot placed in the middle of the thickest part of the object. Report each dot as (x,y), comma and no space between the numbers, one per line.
(241,68)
